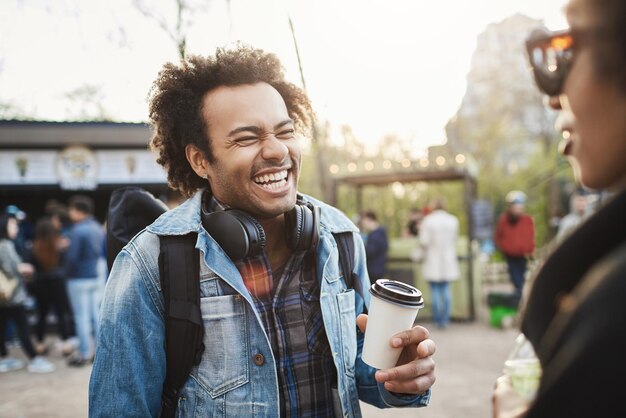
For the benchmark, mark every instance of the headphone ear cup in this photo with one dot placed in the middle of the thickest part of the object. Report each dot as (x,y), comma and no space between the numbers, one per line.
(302,228)
(293,227)
(239,234)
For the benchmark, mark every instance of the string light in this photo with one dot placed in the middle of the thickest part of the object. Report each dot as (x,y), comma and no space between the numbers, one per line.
(423,163)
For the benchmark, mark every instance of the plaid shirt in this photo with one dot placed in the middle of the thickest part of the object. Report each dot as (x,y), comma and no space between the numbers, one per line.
(288,302)
(292,319)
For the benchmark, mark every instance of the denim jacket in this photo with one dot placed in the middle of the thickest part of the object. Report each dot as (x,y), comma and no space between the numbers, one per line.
(237,374)
(85,250)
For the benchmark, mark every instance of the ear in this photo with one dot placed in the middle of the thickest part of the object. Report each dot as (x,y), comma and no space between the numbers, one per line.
(196,160)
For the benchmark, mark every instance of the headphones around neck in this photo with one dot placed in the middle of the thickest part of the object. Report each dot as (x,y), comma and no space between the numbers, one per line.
(241,236)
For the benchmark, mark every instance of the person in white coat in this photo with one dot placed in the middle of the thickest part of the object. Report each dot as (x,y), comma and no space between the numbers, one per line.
(438,236)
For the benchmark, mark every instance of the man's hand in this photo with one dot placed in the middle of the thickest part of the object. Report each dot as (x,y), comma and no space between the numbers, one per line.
(415,371)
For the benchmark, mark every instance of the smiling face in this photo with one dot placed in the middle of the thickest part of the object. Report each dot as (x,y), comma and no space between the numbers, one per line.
(257,156)
(594,111)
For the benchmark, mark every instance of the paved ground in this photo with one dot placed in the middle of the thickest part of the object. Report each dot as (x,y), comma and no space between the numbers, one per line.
(469,358)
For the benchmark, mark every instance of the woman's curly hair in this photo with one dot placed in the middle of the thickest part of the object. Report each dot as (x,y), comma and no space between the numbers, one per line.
(176,99)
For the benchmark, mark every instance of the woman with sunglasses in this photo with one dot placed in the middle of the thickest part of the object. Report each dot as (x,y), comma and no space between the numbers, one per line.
(575,313)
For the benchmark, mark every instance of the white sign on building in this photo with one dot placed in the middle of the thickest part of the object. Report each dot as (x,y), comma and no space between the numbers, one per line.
(78,167)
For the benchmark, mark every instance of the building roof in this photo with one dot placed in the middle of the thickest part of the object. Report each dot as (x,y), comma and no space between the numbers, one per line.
(48,134)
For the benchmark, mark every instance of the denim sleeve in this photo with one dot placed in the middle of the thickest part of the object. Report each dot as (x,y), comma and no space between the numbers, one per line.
(129,368)
(370,391)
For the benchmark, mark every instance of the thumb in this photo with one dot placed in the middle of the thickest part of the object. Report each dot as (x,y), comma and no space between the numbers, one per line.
(361,322)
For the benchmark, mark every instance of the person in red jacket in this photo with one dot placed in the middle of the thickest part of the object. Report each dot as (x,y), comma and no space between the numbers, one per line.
(515,237)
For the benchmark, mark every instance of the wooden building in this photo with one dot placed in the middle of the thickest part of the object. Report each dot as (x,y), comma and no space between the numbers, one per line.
(40,161)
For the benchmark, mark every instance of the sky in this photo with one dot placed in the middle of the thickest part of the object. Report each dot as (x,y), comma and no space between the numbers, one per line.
(381,66)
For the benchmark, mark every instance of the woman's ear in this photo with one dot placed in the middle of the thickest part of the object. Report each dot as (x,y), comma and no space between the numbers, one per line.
(197,161)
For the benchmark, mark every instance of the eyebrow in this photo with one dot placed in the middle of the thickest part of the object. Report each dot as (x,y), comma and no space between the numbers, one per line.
(257,130)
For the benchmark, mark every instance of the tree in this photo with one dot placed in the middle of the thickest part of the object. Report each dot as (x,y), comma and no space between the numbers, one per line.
(85,103)
(177,31)
(504,125)
(9,110)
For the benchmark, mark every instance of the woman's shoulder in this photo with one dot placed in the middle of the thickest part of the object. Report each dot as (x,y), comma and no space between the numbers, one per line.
(6,246)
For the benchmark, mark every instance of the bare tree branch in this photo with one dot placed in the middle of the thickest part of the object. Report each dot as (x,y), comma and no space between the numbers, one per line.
(177,33)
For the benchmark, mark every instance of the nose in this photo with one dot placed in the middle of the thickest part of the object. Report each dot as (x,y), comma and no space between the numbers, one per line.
(274,148)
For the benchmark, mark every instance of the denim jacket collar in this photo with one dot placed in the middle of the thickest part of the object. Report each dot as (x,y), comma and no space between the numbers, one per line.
(186,218)
(180,220)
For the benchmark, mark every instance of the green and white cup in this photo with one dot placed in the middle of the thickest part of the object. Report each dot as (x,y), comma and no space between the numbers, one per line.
(524,374)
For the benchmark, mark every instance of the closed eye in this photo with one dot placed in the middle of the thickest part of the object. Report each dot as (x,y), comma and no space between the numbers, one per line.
(285,134)
(246,140)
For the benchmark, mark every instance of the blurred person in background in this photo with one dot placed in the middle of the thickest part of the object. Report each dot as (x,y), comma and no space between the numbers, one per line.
(439,232)
(49,285)
(413,223)
(376,245)
(515,237)
(83,270)
(578,212)
(411,230)
(575,315)
(60,217)
(12,308)
(23,240)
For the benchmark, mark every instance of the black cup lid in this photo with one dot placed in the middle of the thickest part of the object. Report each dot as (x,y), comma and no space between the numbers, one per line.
(397,292)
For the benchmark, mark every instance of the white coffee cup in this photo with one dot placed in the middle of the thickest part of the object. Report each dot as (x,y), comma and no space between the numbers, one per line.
(393,308)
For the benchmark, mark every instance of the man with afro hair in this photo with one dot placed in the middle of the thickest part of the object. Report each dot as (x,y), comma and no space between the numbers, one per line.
(283,332)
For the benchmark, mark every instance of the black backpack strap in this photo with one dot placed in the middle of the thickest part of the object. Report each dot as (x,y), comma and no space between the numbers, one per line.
(345,245)
(179,270)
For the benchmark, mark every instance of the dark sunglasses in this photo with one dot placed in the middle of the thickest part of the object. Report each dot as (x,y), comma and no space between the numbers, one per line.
(550,55)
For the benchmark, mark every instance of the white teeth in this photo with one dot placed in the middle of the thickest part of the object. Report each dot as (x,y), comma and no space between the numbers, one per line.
(273,179)
(274,185)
